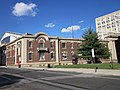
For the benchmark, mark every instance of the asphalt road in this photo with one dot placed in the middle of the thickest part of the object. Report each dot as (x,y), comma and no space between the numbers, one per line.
(31,79)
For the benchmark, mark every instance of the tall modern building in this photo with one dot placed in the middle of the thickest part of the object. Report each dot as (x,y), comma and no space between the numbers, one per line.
(108,28)
(108,24)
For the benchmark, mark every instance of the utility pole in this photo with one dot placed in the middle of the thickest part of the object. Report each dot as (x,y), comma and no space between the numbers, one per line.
(72,28)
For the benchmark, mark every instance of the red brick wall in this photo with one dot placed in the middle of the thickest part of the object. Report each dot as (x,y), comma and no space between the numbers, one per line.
(36,53)
(68,49)
(10,55)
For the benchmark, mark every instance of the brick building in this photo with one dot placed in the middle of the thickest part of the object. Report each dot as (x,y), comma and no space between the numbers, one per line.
(41,49)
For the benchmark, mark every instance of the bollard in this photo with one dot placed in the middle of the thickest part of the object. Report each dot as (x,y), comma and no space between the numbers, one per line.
(96,69)
(48,65)
(19,66)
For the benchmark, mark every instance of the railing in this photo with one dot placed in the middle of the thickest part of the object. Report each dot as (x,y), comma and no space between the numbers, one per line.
(42,49)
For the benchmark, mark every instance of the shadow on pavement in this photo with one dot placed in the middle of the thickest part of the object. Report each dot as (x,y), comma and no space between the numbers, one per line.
(6,79)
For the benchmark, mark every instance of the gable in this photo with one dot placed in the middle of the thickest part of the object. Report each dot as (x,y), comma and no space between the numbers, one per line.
(9,37)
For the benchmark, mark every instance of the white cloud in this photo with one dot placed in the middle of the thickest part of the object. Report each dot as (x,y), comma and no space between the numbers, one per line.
(50,25)
(22,9)
(84,28)
(71,28)
(81,21)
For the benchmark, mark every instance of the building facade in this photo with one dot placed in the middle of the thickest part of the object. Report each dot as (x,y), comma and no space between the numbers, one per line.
(114,47)
(3,55)
(108,28)
(108,24)
(41,49)
(5,39)
(9,37)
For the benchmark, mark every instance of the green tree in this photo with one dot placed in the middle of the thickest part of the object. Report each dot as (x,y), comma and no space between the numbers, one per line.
(90,42)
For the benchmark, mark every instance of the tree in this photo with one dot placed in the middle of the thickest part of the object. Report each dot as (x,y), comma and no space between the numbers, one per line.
(90,42)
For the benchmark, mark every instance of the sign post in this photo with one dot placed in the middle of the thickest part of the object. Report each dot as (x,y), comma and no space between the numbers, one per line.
(93,55)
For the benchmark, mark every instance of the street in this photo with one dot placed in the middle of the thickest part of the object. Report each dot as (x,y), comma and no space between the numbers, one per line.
(42,79)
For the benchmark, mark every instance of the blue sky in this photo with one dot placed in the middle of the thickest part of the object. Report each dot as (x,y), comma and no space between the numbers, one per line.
(54,17)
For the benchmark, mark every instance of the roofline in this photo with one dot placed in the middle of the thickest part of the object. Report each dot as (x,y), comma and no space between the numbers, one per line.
(71,38)
(106,14)
(9,32)
(20,38)
(37,34)
(74,39)
(14,33)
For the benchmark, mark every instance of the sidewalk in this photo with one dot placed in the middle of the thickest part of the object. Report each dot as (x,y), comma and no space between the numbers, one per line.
(79,70)
(90,71)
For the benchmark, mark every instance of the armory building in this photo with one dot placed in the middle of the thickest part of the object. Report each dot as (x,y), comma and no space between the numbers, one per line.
(38,49)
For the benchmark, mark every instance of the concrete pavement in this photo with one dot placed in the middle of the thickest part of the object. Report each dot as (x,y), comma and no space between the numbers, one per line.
(54,78)
(79,70)
(90,71)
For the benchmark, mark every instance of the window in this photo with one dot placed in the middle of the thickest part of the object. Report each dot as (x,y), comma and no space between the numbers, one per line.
(19,51)
(107,21)
(30,56)
(79,44)
(117,22)
(63,45)
(19,48)
(103,25)
(64,56)
(103,22)
(41,45)
(52,55)
(98,23)
(51,44)
(8,53)
(72,53)
(30,43)
(13,50)
(5,40)
(41,55)
(14,59)
(13,47)
(71,45)
(99,26)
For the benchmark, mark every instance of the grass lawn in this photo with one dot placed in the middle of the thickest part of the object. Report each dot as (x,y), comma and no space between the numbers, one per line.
(100,66)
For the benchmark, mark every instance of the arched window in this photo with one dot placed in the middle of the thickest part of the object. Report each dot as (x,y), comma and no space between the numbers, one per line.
(41,43)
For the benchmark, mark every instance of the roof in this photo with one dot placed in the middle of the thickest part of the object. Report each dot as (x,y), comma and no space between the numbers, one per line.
(107,14)
(9,33)
(26,35)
